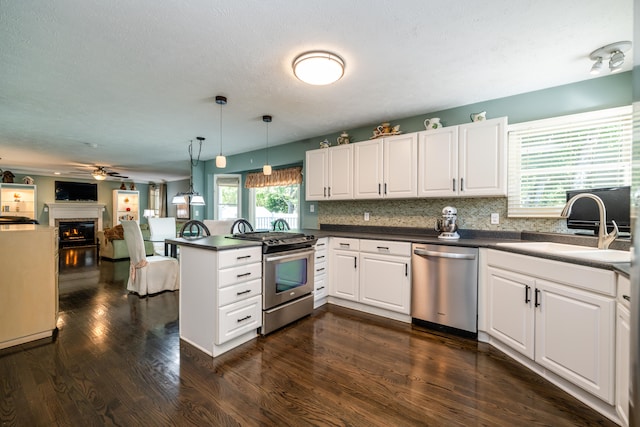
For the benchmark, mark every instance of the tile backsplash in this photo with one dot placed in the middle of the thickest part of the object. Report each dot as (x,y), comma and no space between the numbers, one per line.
(473,213)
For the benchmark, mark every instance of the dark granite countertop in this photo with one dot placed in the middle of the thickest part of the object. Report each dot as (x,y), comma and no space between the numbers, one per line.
(469,238)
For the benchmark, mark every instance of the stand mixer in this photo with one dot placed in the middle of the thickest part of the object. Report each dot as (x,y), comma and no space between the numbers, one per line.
(447,224)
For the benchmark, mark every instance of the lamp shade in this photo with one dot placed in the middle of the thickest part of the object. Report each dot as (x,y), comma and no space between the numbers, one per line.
(179,199)
(221,161)
(318,68)
(197,200)
(266,170)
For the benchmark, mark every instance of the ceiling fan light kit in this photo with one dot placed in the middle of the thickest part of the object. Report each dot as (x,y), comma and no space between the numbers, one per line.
(614,52)
(318,67)
(99,174)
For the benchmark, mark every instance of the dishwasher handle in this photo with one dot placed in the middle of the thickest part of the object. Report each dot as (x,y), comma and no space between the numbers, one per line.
(424,252)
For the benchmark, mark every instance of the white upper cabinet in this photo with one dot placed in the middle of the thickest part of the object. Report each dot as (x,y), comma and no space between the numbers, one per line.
(469,160)
(386,167)
(329,173)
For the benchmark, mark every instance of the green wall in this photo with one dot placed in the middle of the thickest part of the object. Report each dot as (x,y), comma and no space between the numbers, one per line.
(593,94)
(45,193)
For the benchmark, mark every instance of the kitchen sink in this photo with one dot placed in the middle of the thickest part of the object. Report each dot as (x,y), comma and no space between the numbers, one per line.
(572,251)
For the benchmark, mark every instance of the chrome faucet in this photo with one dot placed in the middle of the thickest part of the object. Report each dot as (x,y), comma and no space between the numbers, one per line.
(604,239)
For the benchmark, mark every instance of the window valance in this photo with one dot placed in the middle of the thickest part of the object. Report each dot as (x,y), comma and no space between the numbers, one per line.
(288,176)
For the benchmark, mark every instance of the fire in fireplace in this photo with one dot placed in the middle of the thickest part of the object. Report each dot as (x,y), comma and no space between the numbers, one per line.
(76,233)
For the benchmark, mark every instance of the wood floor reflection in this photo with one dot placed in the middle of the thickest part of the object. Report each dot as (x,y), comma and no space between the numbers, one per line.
(118,360)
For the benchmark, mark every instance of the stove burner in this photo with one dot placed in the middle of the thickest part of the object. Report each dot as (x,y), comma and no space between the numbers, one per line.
(277,241)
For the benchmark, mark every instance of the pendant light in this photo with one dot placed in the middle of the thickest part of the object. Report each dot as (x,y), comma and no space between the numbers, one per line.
(195,199)
(266,169)
(221,160)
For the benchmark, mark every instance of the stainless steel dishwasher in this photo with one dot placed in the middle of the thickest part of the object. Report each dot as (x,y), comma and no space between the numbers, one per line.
(444,287)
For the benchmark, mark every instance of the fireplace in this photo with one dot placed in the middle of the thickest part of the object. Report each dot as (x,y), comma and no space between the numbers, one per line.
(77,232)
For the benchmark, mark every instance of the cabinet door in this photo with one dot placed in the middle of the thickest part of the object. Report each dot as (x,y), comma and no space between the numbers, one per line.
(575,336)
(367,170)
(438,162)
(510,317)
(400,166)
(344,275)
(340,172)
(623,336)
(385,282)
(482,158)
(316,168)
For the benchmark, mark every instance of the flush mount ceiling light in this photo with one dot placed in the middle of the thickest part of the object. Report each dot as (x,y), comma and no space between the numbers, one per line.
(266,169)
(614,52)
(318,67)
(195,198)
(221,160)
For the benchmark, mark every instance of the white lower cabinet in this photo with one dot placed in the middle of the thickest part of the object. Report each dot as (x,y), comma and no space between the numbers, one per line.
(344,268)
(320,285)
(560,315)
(220,297)
(372,274)
(623,347)
(385,275)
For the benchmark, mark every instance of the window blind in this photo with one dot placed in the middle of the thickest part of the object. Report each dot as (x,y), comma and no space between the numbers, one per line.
(548,157)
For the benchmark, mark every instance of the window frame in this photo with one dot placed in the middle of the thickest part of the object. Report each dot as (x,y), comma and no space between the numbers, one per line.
(515,208)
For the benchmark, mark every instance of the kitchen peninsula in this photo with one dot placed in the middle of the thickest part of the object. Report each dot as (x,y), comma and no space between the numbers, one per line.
(29,285)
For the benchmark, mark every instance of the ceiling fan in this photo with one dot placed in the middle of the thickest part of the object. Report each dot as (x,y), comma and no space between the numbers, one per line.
(101,173)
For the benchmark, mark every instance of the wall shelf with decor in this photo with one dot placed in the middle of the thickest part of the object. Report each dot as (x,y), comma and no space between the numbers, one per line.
(18,200)
(126,206)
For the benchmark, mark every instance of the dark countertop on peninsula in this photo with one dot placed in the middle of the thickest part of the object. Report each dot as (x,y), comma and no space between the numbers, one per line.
(469,238)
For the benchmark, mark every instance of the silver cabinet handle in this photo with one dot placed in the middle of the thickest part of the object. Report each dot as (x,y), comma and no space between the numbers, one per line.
(423,252)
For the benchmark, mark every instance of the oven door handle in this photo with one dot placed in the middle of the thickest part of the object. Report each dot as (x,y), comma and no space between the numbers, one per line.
(289,254)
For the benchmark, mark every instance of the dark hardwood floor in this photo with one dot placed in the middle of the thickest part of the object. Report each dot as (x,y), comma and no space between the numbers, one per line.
(118,360)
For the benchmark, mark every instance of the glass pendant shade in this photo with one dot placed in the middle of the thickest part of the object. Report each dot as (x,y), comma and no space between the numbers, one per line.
(266,169)
(221,161)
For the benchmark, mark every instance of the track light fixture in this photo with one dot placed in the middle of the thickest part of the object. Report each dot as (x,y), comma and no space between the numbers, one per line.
(614,52)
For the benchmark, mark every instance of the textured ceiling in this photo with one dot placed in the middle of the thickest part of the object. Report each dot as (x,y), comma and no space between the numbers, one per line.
(128,83)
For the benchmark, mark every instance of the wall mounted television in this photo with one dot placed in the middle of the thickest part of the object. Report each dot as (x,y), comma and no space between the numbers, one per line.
(585,215)
(76,191)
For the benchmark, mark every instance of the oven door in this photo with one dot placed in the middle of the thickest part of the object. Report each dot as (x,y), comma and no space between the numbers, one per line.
(286,276)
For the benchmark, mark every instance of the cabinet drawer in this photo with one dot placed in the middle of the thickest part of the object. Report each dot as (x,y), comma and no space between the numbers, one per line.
(320,288)
(320,269)
(322,244)
(386,247)
(345,243)
(243,273)
(239,292)
(235,257)
(239,318)
(320,256)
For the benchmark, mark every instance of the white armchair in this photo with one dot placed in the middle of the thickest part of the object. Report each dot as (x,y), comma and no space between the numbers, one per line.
(219,226)
(148,275)
(160,229)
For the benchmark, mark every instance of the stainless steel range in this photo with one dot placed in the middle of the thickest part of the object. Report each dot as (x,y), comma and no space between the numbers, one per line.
(287,276)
